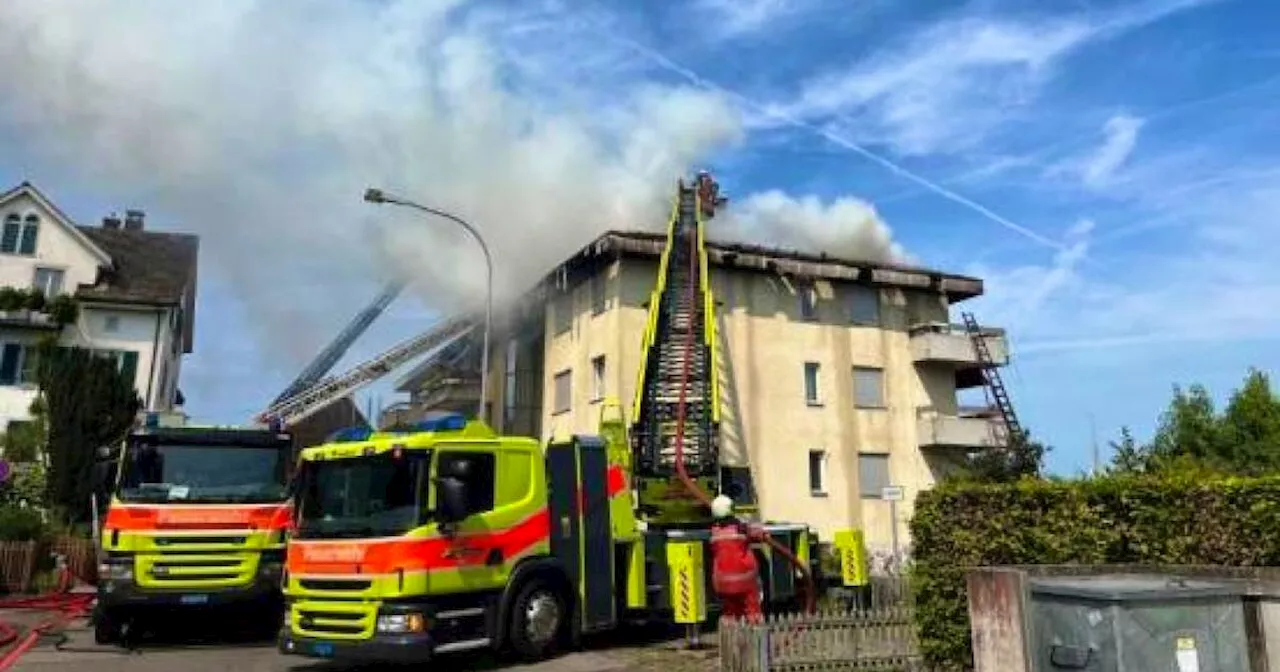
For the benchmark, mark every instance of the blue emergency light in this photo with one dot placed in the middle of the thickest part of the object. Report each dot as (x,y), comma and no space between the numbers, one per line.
(453,422)
(351,435)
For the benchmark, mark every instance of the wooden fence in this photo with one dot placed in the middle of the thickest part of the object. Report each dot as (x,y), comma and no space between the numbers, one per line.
(21,562)
(882,639)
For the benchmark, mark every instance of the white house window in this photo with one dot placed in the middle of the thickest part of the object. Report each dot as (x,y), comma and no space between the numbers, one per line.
(30,229)
(12,233)
(563,396)
(49,281)
(17,364)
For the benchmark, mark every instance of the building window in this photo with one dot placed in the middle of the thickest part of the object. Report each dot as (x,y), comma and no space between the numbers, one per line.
(49,281)
(562,312)
(818,472)
(18,364)
(873,474)
(563,394)
(597,378)
(598,298)
(808,300)
(864,305)
(126,362)
(30,228)
(811,383)
(111,324)
(12,233)
(868,387)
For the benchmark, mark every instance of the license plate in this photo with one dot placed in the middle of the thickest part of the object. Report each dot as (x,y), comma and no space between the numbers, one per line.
(194,599)
(322,649)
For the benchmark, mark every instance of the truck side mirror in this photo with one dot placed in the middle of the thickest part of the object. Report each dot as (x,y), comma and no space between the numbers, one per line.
(451,500)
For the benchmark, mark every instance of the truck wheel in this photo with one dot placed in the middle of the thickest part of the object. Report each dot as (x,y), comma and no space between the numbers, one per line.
(538,618)
(106,628)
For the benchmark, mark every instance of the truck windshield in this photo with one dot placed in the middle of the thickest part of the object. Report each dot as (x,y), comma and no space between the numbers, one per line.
(211,474)
(372,496)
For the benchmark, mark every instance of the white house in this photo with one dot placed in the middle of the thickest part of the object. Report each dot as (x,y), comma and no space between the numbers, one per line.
(135,290)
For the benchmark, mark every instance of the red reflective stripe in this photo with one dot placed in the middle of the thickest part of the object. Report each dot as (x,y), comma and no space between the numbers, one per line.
(135,518)
(409,554)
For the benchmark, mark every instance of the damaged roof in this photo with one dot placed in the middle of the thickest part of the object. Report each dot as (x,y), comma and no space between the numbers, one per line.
(763,258)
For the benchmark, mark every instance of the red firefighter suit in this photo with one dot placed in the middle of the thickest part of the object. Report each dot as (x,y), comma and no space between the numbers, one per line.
(734,574)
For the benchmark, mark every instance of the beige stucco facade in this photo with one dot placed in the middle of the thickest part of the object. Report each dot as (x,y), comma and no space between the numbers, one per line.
(816,453)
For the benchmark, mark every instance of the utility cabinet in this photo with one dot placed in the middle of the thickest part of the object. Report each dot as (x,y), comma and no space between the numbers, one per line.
(1136,623)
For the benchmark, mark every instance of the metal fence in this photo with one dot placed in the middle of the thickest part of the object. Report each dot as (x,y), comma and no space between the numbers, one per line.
(881,639)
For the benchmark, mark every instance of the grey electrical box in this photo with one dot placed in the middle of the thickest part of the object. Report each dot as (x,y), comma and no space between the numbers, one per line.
(1136,623)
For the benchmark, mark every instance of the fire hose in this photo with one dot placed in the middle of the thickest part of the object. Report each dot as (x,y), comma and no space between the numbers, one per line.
(689,483)
(65,604)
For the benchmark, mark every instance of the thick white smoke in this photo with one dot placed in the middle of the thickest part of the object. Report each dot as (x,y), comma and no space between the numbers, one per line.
(846,227)
(258,124)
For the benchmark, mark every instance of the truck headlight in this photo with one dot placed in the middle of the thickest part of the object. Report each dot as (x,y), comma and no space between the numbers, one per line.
(401,623)
(116,570)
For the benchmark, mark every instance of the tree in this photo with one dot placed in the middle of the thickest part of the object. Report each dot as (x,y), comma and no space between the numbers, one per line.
(1192,435)
(1250,426)
(25,441)
(1023,458)
(90,404)
(1129,456)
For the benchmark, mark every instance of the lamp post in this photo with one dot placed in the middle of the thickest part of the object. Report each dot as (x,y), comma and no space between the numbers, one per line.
(378,196)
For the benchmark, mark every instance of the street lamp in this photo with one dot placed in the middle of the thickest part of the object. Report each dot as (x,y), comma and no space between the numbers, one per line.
(378,196)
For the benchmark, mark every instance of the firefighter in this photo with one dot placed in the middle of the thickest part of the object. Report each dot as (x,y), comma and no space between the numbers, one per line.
(734,574)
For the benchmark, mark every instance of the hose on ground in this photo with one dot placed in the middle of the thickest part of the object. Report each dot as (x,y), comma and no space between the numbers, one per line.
(65,605)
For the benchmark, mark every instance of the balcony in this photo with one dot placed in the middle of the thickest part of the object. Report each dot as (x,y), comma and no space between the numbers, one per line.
(937,342)
(451,394)
(968,430)
(28,319)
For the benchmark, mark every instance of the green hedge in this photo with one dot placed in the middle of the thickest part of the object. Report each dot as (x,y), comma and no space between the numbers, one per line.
(1183,519)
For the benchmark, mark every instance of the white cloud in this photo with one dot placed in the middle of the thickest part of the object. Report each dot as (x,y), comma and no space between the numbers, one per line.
(258,124)
(948,87)
(1097,168)
(739,18)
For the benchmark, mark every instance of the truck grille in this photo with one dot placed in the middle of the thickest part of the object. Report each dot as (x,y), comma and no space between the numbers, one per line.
(334,621)
(191,570)
(335,585)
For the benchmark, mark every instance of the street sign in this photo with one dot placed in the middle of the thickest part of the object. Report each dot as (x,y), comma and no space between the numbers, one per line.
(892,493)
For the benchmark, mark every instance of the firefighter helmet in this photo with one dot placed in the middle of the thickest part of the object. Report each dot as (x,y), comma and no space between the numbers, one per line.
(722,507)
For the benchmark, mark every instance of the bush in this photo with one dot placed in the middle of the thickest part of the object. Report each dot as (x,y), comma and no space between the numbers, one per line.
(19,524)
(34,300)
(1182,518)
(64,310)
(12,298)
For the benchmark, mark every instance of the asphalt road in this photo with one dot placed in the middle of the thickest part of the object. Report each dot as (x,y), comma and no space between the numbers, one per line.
(174,648)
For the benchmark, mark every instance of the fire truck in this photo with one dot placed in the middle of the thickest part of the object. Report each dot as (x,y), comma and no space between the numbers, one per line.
(195,516)
(446,536)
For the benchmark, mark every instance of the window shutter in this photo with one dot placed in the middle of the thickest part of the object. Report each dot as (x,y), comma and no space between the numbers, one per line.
(129,366)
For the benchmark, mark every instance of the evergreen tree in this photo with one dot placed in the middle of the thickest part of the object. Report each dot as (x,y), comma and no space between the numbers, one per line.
(90,404)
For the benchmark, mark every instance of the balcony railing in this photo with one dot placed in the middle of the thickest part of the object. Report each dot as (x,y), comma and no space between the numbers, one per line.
(967,429)
(951,344)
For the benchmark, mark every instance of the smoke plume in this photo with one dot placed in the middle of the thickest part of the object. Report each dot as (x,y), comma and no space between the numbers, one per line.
(258,124)
(847,227)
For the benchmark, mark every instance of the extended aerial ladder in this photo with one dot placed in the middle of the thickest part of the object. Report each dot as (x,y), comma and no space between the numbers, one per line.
(333,353)
(675,431)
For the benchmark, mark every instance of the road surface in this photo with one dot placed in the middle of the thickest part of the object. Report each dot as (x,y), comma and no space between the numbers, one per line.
(179,651)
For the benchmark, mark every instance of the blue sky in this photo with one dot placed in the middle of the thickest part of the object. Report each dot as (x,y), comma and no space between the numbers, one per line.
(1107,167)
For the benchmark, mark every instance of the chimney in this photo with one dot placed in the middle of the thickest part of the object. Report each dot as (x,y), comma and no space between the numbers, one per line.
(111,221)
(133,220)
